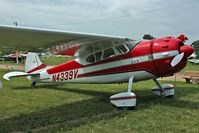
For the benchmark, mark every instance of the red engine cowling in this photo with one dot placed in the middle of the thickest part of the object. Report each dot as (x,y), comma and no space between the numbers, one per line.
(164,50)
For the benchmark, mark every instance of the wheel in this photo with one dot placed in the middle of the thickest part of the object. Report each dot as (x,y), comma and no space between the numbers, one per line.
(33,85)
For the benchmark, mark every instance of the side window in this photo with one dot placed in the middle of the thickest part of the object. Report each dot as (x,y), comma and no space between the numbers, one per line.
(124,50)
(121,49)
(108,53)
(90,58)
(98,56)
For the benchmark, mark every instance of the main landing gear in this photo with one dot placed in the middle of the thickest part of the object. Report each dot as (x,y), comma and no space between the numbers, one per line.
(166,90)
(128,99)
(125,99)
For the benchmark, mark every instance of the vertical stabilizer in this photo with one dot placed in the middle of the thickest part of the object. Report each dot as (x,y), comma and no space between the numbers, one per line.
(33,63)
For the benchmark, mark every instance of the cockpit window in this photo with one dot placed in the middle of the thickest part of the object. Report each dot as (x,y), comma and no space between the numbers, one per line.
(90,58)
(108,53)
(132,44)
(98,56)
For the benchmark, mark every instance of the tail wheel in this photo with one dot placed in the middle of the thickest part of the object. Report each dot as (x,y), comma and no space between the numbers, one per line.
(33,85)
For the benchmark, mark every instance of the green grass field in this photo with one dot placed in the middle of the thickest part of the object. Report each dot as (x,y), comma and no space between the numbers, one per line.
(54,107)
(59,107)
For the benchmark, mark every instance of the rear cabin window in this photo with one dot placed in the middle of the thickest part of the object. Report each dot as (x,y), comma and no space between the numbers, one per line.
(108,53)
(90,58)
(98,56)
(118,49)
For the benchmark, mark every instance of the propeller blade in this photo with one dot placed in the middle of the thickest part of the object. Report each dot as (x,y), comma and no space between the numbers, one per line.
(177,59)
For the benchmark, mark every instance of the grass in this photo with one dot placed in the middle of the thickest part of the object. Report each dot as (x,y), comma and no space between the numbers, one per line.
(190,67)
(54,107)
(55,60)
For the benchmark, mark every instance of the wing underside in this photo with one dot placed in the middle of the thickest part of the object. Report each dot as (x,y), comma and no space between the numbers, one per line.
(57,42)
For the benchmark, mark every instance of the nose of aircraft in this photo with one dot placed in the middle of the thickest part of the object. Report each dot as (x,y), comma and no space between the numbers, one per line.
(187,50)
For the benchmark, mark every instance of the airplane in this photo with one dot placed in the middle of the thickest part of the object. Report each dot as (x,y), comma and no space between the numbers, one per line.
(13,57)
(100,59)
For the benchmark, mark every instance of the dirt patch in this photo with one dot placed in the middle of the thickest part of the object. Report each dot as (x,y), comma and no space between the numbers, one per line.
(15,67)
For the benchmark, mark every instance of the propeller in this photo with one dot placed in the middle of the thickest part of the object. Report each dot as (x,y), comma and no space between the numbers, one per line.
(177,59)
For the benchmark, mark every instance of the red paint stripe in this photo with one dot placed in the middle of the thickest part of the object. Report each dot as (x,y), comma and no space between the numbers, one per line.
(123,98)
(133,67)
(164,89)
(37,68)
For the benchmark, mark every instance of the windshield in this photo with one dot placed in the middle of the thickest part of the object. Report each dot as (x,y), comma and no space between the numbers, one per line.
(131,44)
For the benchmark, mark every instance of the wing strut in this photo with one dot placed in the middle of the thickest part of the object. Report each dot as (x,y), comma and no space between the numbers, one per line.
(130,83)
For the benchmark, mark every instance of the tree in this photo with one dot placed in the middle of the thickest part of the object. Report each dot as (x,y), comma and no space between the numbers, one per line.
(148,37)
(5,51)
(196,47)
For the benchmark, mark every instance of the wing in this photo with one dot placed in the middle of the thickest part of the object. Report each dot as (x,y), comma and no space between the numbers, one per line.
(57,42)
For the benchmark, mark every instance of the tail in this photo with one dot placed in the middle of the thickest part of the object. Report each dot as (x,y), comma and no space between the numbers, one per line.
(33,63)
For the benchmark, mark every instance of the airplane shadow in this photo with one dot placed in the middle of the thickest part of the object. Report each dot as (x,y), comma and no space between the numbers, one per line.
(79,113)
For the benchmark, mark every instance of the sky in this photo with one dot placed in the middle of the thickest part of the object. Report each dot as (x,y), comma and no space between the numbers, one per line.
(126,18)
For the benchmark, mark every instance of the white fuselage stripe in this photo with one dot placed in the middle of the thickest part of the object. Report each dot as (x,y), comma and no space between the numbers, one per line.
(166,54)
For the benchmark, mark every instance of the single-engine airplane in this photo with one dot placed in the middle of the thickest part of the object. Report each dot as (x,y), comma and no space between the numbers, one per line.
(100,59)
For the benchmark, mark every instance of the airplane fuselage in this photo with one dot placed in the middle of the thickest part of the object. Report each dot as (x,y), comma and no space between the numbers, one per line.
(147,60)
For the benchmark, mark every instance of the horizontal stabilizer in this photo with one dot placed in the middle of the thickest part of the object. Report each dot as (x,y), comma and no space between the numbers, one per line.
(9,75)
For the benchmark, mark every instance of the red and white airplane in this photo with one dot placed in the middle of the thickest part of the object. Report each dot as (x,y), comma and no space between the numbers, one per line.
(100,59)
